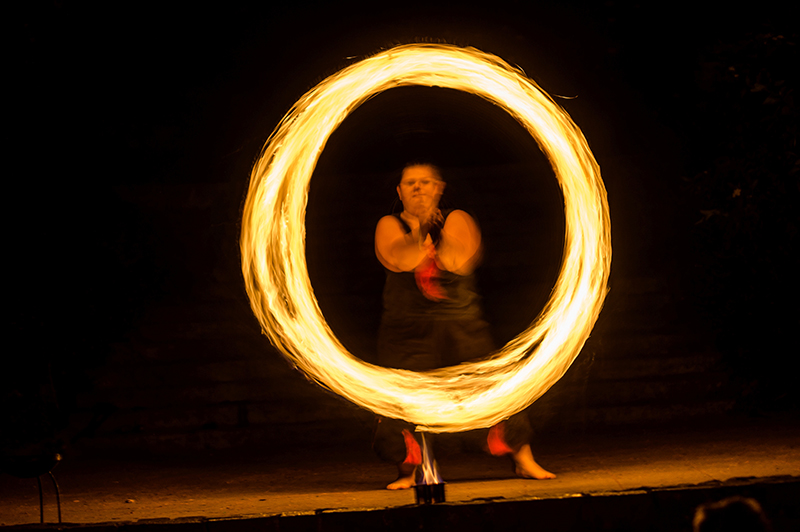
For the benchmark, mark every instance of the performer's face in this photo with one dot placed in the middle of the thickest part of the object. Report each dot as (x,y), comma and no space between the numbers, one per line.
(420,189)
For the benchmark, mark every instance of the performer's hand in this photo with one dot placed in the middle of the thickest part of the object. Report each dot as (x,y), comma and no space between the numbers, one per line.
(429,247)
(417,224)
(434,217)
(411,220)
(432,226)
(422,223)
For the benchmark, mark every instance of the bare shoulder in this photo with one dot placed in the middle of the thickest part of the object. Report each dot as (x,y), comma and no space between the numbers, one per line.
(460,220)
(458,214)
(388,226)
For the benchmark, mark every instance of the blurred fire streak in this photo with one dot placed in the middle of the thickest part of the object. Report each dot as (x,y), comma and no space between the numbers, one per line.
(471,395)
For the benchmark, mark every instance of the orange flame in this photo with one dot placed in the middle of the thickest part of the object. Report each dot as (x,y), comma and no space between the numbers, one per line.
(428,469)
(468,396)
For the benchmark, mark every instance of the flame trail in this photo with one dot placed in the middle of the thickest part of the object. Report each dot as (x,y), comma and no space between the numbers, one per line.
(471,395)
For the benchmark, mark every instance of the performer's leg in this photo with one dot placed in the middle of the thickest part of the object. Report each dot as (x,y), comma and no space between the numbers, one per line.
(405,345)
(512,437)
(408,345)
(395,442)
(463,340)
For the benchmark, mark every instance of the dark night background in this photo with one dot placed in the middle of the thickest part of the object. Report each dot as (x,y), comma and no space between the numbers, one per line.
(130,134)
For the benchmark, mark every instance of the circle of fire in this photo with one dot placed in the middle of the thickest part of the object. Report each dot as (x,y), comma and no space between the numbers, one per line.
(452,399)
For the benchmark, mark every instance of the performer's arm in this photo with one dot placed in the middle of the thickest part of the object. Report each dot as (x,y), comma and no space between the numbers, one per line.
(397,250)
(459,249)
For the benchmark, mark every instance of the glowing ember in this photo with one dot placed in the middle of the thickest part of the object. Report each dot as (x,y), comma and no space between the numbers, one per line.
(468,396)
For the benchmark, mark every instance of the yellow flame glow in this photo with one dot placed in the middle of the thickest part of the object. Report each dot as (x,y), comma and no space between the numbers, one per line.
(429,471)
(468,396)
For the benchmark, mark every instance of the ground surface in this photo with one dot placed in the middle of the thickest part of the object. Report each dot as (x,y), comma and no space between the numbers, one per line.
(244,483)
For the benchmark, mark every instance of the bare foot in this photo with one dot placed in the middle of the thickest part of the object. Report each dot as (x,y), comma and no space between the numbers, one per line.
(402,483)
(527,466)
(406,477)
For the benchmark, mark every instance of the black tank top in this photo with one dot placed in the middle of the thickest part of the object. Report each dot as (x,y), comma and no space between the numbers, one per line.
(403,300)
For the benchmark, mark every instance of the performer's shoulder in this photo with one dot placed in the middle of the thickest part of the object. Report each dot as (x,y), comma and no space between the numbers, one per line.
(392,220)
(457,215)
(390,224)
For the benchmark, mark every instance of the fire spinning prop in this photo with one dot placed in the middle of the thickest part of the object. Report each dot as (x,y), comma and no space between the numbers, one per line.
(465,397)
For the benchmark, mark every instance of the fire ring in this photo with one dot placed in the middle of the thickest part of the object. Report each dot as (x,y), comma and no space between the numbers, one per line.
(453,399)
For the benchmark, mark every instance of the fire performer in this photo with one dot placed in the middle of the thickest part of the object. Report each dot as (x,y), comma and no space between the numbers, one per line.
(431,313)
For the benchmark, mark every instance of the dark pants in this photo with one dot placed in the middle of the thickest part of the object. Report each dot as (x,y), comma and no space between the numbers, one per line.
(421,345)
